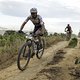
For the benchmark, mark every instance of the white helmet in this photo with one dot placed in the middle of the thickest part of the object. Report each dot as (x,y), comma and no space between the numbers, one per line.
(33,10)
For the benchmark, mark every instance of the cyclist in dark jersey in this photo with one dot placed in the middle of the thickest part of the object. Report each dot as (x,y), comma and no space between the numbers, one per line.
(68,28)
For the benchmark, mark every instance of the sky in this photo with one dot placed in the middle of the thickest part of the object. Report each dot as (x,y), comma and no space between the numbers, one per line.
(56,14)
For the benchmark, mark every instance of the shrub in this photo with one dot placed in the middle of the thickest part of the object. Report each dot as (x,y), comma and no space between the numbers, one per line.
(9,32)
(1,36)
(2,42)
(73,42)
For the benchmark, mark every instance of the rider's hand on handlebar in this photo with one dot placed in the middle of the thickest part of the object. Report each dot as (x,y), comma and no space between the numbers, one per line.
(20,31)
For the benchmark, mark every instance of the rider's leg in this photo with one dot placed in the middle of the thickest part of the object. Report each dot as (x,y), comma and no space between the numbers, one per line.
(33,34)
(39,33)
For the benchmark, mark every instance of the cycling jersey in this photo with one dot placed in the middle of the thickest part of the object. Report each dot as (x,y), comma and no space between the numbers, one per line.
(36,21)
(68,28)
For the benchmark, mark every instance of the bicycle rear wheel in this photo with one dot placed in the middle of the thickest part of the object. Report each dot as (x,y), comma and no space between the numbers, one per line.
(68,36)
(40,50)
(23,57)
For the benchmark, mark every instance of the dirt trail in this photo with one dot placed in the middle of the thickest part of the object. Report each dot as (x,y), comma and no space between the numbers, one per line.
(34,67)
(62,66)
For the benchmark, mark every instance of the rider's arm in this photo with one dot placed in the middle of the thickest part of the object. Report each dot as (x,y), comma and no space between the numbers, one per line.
(41,21)
(42,24)
(23,24)
(65,29)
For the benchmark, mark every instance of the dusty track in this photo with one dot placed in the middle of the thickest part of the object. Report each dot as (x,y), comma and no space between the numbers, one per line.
(35,65)
(57,63)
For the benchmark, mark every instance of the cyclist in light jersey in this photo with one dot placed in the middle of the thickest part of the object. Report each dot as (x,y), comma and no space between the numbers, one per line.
(36,20)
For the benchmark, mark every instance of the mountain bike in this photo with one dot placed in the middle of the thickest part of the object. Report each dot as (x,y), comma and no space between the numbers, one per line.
(32,45)
(68,35)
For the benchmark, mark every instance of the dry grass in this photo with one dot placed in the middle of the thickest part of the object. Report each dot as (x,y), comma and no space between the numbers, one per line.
(12,44)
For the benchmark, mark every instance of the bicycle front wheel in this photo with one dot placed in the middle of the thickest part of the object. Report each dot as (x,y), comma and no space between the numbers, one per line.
(23,57)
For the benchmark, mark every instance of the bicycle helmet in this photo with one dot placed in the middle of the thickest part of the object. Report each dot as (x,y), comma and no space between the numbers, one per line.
(33,10)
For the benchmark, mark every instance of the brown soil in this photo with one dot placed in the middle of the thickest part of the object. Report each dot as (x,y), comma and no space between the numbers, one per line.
(57,63)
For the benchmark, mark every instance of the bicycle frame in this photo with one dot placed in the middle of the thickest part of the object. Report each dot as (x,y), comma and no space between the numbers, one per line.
(32,41)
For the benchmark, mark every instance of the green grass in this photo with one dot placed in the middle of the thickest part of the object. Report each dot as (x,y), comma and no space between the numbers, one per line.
(73,43)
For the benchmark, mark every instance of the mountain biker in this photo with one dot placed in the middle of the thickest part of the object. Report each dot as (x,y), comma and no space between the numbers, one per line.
(36,19)
(68,29)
